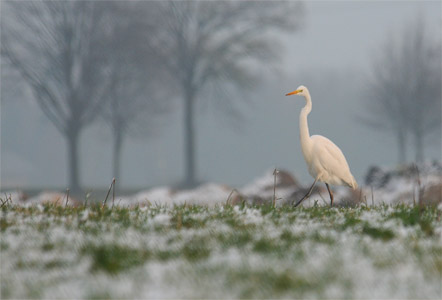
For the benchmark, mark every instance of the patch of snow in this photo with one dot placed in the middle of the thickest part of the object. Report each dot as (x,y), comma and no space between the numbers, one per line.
(207,194)
(259,184)
(13,197)
(159,195)
(161,219)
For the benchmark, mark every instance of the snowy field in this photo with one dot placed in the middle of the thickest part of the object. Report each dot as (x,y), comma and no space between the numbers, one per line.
(381,241)
(224,251)
(406,185)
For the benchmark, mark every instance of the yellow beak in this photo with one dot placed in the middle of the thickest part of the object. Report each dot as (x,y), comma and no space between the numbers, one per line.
(293,93)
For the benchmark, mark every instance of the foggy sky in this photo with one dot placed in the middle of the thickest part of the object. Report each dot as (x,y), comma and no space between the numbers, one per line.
(331,55)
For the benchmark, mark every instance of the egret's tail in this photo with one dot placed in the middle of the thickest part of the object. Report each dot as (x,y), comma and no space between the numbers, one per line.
(353,184)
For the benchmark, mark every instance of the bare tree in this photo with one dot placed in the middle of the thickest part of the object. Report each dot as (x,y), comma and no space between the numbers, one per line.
(206,44)
(136,98)
(403,95)
(57,48)
(421,73)
(135,104)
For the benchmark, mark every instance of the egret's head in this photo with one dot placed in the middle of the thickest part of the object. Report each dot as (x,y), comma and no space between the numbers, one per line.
(301,90)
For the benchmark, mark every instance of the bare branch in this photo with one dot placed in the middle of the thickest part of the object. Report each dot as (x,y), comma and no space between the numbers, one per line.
(404,88)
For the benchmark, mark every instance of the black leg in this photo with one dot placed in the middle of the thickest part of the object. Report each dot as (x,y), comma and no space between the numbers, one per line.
(308,193)
(331,194)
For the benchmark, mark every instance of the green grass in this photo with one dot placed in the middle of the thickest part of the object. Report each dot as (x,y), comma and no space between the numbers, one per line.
(114,258)
(411,216)
(378,233)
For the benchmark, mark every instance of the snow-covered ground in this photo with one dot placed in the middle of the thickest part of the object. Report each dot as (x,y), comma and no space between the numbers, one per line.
(382,186)
(220,252)
(163,248)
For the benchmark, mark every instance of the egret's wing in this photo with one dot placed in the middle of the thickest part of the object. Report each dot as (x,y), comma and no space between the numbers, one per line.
(331,159)
(328,153)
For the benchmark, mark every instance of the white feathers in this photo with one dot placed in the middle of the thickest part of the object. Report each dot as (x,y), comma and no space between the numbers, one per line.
(324,159)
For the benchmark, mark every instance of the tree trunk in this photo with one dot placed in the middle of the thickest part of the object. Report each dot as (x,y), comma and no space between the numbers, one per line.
(402,151)
(419,147)
(189,136)
(74,184)
(118,142)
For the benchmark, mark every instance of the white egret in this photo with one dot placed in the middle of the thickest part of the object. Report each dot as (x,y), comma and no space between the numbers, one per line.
(324,159)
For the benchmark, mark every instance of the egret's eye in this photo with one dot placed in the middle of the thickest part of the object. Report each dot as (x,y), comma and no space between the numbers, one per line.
(301,91)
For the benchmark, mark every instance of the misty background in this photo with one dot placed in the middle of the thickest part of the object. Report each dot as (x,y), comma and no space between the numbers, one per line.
(331,50)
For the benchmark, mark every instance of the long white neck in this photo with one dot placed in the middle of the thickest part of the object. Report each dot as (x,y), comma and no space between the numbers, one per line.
(303,127)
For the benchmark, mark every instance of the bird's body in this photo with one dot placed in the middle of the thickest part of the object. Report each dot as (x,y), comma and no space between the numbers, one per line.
(325,161)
